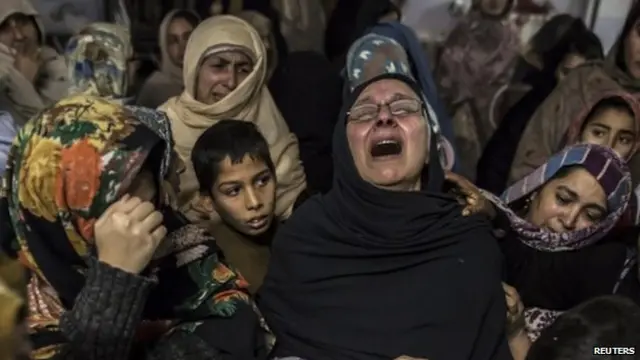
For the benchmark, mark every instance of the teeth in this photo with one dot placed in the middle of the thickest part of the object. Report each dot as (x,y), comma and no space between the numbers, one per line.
(386,142)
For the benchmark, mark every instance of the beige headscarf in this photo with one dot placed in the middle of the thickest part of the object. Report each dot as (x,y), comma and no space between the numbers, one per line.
(10,7)
(51,83)
(166,82)
(250,101)
(263,26)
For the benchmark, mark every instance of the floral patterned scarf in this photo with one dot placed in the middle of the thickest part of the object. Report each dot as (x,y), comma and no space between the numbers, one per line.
(611,172)
(67,165)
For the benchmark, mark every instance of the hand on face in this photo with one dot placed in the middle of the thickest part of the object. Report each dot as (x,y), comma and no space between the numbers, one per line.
(470,196)
(128,234)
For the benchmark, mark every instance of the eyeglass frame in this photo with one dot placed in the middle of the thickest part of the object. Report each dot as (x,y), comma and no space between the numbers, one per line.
(388,105)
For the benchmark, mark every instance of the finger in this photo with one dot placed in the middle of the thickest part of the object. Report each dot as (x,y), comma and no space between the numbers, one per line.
(520,307)
(150,223)
(113,208)
(124,205)
(128,204)
(141,211)
(159,234)
(121,220)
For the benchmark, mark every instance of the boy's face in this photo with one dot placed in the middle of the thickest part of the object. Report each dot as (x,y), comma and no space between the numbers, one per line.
(244,195)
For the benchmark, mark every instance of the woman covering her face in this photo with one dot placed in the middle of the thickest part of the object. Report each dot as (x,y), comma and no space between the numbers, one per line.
(114,273)
(578,91)
(558,216)
(385,263)
(225,69)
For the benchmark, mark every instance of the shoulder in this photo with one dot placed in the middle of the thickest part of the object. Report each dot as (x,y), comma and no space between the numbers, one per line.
(589,74)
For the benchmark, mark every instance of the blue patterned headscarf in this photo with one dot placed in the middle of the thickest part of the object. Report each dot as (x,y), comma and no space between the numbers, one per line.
(603,163)
(97,61)
(373,55)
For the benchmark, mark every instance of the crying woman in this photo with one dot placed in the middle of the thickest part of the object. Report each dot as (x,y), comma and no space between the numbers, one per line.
(556,247)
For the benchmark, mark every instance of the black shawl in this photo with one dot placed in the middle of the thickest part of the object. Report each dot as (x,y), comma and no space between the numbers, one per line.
(348,21)
(365,273)
(308,92)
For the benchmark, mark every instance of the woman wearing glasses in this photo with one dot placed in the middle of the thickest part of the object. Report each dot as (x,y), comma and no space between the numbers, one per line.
(384,265)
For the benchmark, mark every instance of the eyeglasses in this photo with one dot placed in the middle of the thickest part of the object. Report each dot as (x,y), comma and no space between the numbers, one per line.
(397,108)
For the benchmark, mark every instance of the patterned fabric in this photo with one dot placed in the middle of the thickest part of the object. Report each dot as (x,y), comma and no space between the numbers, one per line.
(604,164)
(478,54)
(12,288)
(97,61)
(373,55)
(613,175)
(67,165)
(7,133)
(477,59)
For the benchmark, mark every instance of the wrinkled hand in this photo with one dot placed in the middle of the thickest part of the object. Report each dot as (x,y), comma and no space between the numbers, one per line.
(470,196)
(515,310)
(128,234)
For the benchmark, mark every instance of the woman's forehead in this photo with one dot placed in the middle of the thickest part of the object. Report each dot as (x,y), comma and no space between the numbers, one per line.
(235,56)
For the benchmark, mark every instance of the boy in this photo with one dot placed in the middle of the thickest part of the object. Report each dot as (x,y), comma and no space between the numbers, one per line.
(237,180)
(236,175)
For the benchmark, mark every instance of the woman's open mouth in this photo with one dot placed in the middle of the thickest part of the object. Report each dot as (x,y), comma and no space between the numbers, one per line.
(386,149)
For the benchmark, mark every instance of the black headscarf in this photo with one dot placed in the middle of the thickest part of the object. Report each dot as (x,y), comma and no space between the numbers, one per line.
(365,273)
(348,22)
(308,93)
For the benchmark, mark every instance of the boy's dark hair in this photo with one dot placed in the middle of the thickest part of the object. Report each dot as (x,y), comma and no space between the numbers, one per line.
(234,139)
(606,321)
(614,102)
